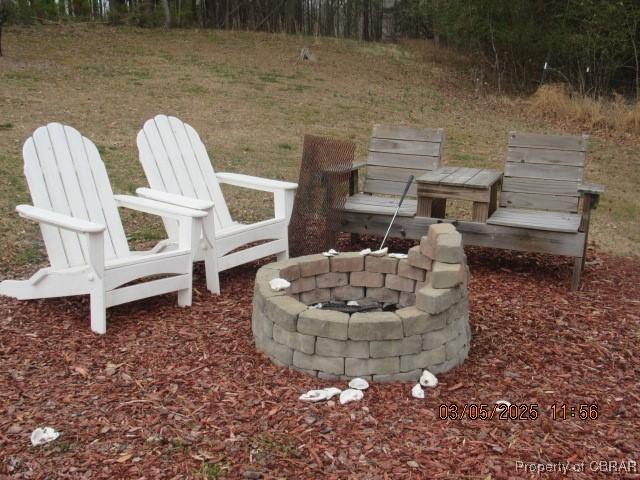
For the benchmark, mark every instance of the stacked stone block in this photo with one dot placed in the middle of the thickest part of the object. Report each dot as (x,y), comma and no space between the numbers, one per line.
(429,330)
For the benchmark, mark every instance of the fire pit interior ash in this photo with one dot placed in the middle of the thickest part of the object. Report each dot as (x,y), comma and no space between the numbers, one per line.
(365,305)
(411,314)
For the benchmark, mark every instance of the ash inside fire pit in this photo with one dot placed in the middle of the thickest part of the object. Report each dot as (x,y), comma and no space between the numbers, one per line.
(411,314)
(363,305)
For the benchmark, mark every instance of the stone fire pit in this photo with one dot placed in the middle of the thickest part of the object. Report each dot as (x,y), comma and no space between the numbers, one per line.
(428,330)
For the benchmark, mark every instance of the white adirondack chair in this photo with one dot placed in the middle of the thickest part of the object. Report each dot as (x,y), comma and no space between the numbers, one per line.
(83,234)
(180,173)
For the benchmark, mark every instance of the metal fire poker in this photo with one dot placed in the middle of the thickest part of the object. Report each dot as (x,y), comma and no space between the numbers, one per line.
(404,194)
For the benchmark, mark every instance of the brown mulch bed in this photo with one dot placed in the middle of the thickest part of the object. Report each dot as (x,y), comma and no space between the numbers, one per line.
(182,393)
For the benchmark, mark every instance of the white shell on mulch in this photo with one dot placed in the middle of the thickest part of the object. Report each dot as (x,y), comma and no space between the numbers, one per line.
(330,253)
(428,379)
(399,256)
(351,395)
(319,395)
(380,253)
(506,403)
(42,435)
(366,251)
(278,284)
(359,384)
(417,391)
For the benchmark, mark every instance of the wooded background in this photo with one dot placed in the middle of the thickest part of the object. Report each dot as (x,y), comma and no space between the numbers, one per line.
(591,45)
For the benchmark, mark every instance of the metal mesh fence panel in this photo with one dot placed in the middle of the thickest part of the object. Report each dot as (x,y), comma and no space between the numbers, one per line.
(323,187)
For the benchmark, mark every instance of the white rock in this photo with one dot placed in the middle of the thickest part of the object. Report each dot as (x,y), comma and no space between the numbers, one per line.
(417,391)
(380,253)
(278,284)
(332,392)
(330,253)
(350,395)
(359,384)
(317,305)
(428,379)
(398,255)
(353,303)
(366,251)
(319,395)
(42,435)
(506,403)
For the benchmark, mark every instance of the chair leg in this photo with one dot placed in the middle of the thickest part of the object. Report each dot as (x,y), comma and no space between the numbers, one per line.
(577,270)
(98,311)
(185,296)
(211,270)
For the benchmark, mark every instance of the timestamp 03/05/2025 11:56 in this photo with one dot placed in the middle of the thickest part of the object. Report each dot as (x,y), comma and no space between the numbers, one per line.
(523,411)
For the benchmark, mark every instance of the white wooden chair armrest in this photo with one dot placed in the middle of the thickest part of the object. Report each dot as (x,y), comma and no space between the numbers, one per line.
(157,208)
(255,183)
(173,199)
(59,220)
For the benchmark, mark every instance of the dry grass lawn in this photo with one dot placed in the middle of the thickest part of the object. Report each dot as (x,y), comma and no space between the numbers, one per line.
(252,102)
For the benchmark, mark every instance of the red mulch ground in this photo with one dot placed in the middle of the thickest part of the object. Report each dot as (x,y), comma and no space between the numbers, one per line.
(181,393)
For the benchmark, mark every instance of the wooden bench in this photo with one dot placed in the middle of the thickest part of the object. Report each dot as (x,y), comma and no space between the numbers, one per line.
(543,191)
(395,153)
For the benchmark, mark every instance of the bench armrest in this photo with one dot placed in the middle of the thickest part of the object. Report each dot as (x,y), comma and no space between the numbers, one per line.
(173,199)
(255,183)
(157,208)
(591,188)
(59,220)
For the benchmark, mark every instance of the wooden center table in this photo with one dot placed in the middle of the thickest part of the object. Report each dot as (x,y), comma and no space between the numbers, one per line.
(478,185)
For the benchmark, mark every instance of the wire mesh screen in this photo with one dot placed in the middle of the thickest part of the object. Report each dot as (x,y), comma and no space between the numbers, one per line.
(323,187)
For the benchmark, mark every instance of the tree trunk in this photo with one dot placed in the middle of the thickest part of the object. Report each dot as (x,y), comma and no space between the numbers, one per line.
(167,13)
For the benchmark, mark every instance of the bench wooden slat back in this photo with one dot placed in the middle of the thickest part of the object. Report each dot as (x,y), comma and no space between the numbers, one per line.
(543,172)
(397,152)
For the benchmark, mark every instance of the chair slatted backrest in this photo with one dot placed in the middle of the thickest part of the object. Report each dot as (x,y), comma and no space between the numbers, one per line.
(395,153)
(66,175)
(543,172)
(176,161)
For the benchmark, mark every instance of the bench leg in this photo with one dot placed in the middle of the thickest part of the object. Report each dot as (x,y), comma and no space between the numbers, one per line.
(577,270)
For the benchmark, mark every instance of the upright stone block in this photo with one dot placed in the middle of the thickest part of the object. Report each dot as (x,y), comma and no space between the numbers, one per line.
(347,262)
(405,269)
(384,295)
(381,264)
(288,269)
(407,299)
(417,259)
(332,365)
(449,248)
(433,300)
(332,279)
(311,265)
(402,284)
(372,366)
(395,348)
(342,348)
(375,326)
(284,311)
(367,279)
(317,295)
(303,284)
(416,321)
(447,275)
(324,323)
(347,292)
(423,359)
(295,340)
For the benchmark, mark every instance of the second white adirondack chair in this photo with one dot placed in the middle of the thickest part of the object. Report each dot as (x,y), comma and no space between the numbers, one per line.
(82,231)
(180,173)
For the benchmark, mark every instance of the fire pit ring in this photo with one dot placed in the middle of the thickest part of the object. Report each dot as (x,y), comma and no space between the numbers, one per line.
(428,330)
